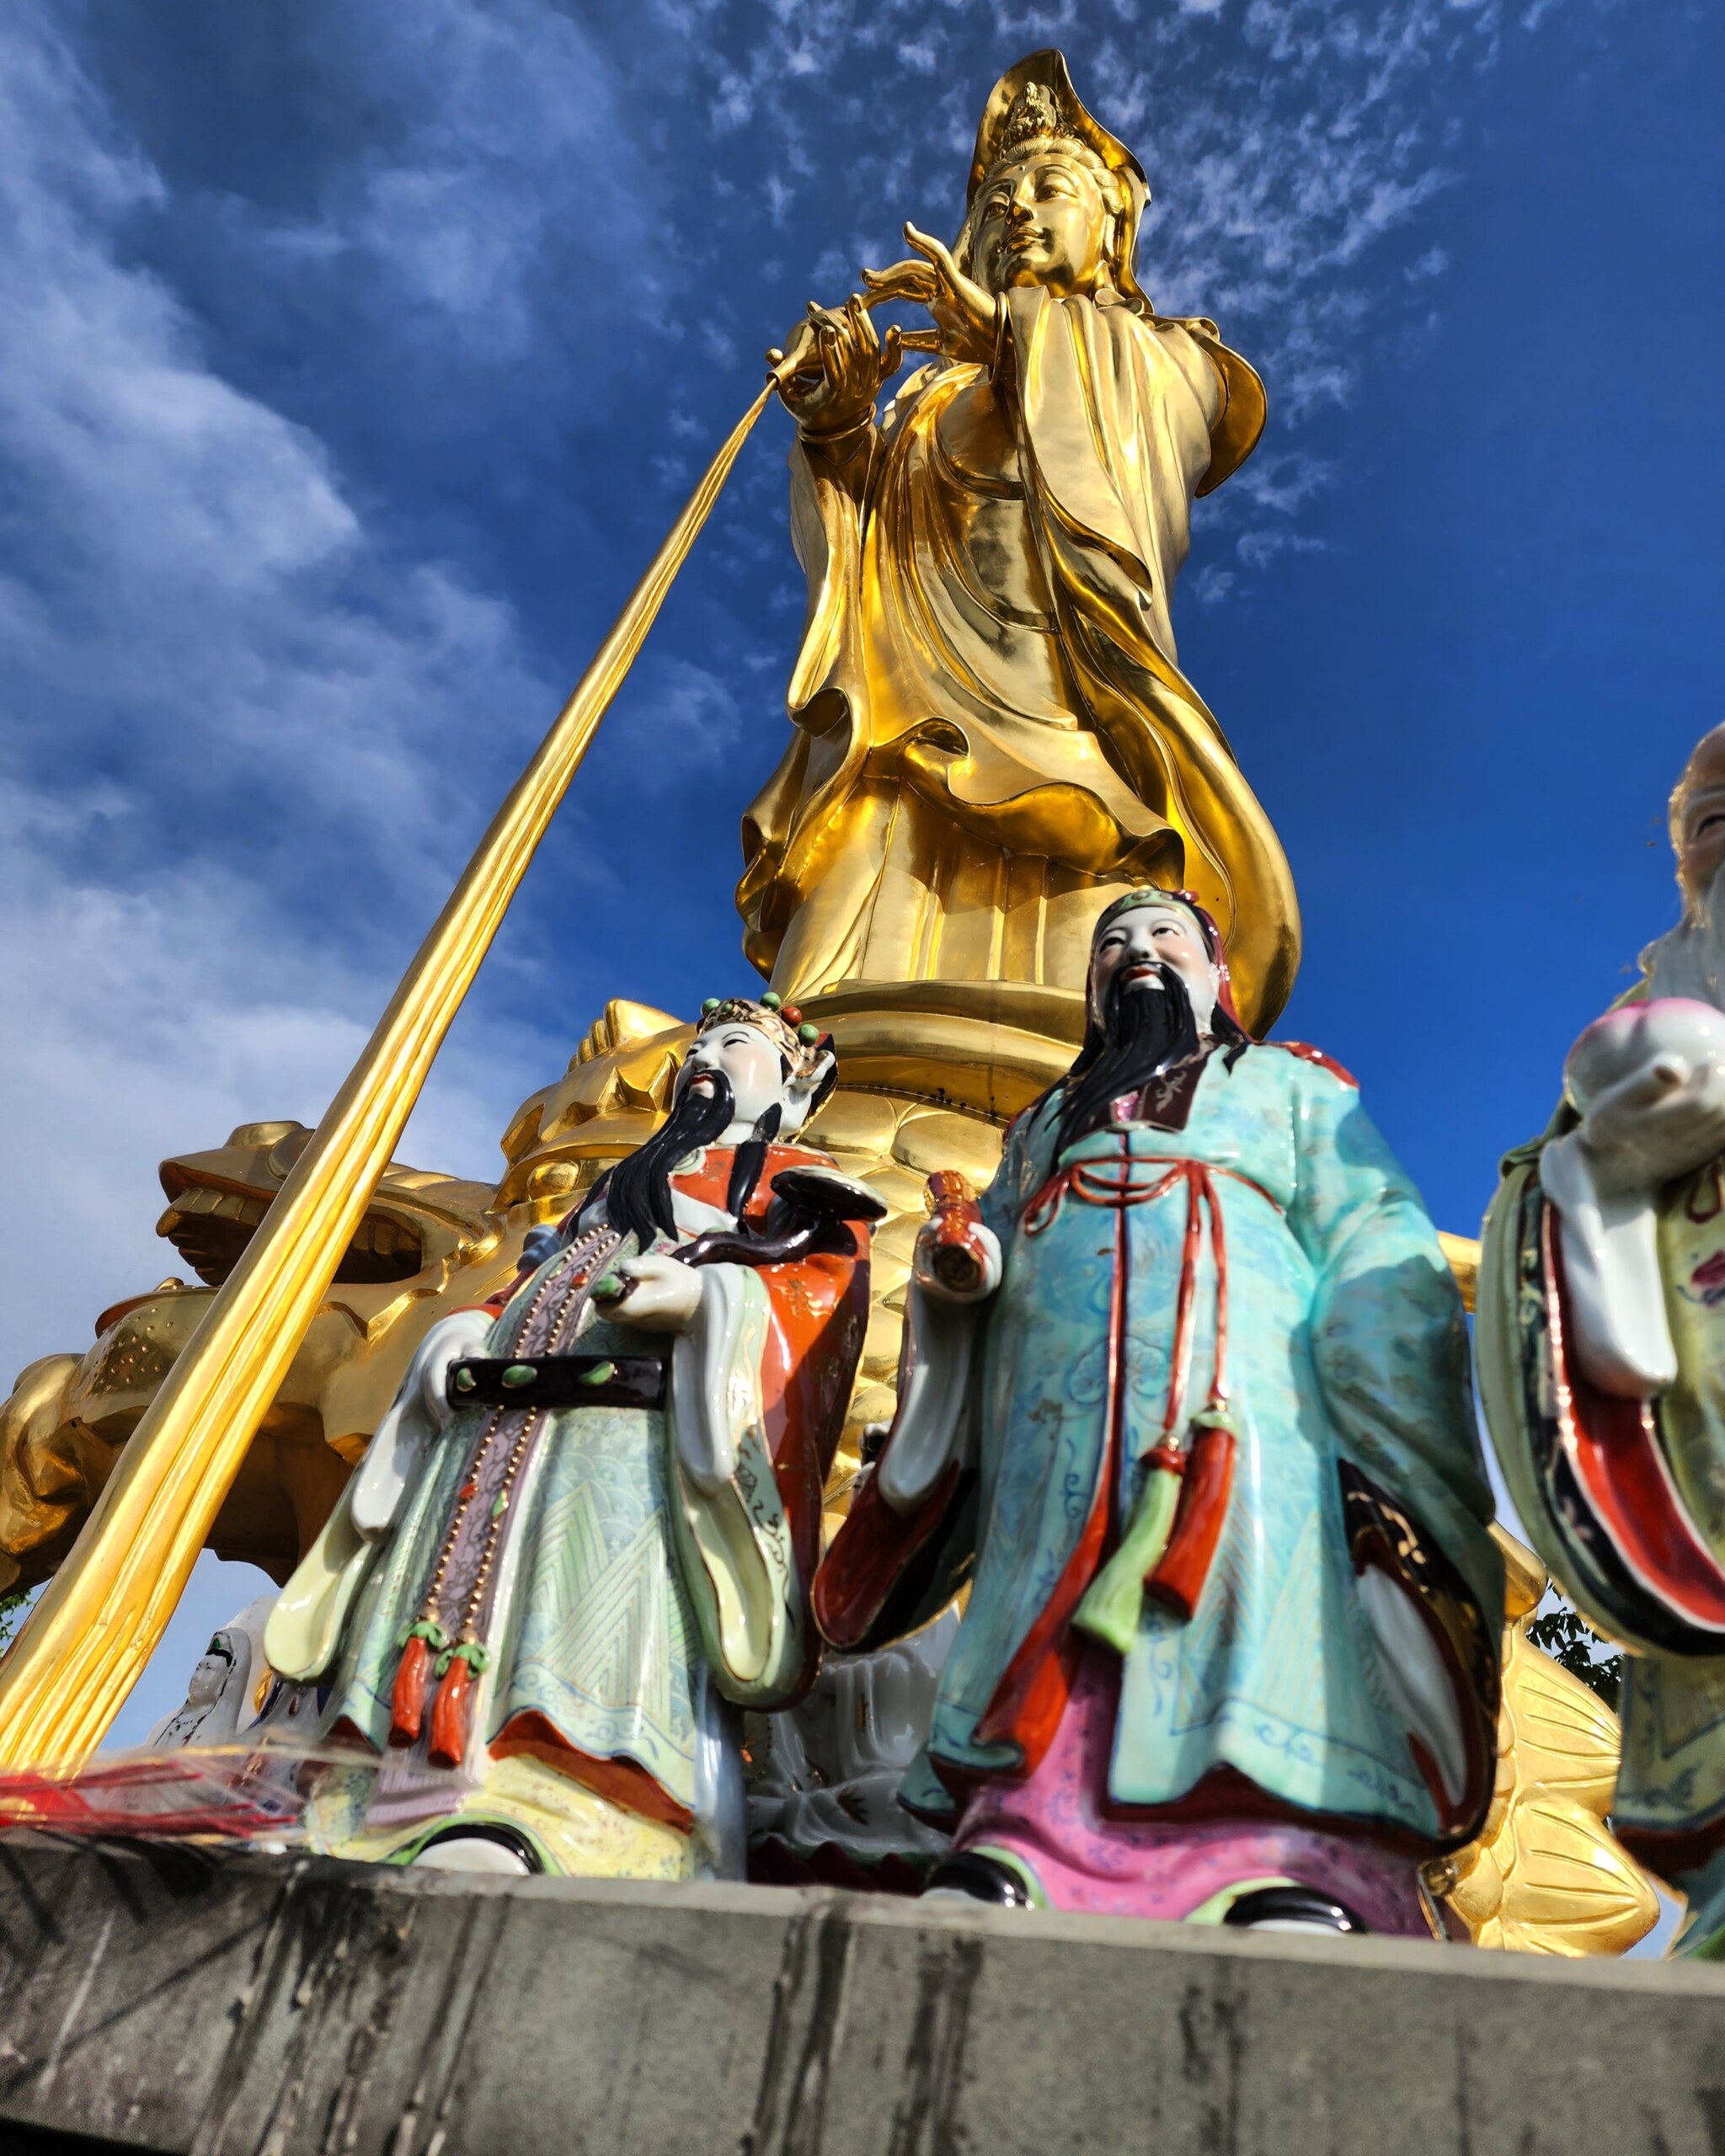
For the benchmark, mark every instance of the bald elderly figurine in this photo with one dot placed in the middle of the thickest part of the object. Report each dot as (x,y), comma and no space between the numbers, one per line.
(1186,1398)
(1602,1359)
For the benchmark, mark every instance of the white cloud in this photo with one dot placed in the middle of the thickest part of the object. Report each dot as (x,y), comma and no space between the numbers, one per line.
(147,1022)
(304,731)
(103,402)
(1258,548)
(498,136)
(680,718)
(200,603)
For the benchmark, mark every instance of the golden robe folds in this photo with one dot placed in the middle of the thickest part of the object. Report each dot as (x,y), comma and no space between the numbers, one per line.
(994,736)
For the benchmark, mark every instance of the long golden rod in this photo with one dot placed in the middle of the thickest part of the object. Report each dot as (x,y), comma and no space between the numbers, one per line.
(89,1637)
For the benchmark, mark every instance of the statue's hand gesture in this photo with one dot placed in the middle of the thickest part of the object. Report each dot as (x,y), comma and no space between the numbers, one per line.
(853,360)
(652,1291)
(1650,1081)
(964,310)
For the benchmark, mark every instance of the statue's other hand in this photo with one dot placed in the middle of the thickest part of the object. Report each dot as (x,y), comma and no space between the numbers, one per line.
(1657,1126)
(964,309)
(658,1294)
(1650,1081)
(420,1413)
(453,1339)
(853,359)
(934,1267)
(914,281)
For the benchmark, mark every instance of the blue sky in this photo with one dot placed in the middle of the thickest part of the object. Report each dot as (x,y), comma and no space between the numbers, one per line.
(353,360)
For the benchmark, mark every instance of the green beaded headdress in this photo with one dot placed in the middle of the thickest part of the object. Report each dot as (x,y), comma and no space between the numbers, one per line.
(1153,895)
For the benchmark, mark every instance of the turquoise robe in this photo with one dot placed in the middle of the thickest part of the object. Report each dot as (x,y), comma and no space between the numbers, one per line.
(1347,1341)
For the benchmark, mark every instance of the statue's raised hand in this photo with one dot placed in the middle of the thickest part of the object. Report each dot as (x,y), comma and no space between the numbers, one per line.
(839,363)
(1649,1080)
(964,309)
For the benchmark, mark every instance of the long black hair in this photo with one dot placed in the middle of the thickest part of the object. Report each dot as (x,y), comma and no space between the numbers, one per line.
(636,1192)
(1140,1032)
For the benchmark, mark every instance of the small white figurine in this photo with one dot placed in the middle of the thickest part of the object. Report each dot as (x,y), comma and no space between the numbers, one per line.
(228,1689)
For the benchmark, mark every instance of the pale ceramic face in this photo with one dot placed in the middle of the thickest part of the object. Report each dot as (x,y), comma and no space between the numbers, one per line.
(1133,943)
(212,1673)
(751,1062)
(1040,219)
(1700,833)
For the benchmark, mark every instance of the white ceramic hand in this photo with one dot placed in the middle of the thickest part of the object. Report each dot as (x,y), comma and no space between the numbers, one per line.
(922,1268)
(659,1294)
(453,1339)
(1650,1081)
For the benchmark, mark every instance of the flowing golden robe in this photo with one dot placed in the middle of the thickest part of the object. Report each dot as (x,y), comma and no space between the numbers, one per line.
(993,735)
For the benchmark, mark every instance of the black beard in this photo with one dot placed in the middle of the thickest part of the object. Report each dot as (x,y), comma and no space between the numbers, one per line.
(638,1197)
(1144,1030)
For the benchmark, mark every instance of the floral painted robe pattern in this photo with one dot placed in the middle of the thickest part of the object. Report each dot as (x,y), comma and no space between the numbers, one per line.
(1625,1500)
(620,1589)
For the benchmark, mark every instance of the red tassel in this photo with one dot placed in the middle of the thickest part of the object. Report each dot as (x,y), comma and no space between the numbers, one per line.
(407,1702)
(451,1715)
(1178,1579)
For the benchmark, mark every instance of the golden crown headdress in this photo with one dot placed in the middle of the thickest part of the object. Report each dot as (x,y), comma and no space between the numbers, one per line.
(1036,100)
(1035,117)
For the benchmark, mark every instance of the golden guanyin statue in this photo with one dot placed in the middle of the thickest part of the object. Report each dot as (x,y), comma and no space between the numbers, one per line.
(993,733)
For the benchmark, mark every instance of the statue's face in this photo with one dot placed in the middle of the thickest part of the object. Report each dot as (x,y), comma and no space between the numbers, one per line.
(1134,943)
(1701,828)
(751,1062)
(1040,219)
(211,1674)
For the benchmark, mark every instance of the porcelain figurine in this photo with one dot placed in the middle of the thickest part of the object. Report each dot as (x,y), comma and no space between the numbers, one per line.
(823,1793)
(1601,1342)
(1188,1390)
(229,1688)
(583,1537)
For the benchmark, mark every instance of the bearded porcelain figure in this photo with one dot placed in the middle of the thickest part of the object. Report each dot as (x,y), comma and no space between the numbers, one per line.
(993,735)
(536,1616)
(1194,1417)
(1601,1339)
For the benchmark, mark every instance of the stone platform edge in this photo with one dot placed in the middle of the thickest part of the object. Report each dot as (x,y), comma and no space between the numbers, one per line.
(229,2002)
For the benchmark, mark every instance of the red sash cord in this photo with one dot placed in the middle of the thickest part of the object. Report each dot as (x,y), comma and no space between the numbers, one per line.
(1117,1183)
(1028,1702)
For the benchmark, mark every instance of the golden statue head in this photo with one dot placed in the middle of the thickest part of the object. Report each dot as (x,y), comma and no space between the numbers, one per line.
(1054,198)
